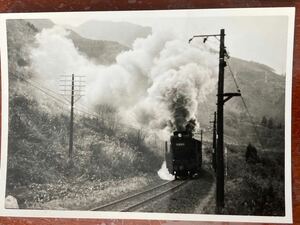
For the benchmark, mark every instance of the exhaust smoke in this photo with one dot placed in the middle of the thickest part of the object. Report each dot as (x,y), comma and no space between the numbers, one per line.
(156,85)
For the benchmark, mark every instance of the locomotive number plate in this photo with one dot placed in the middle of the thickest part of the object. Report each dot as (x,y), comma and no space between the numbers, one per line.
(179,144)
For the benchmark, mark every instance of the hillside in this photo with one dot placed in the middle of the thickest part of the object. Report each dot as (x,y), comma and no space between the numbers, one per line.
(99,51)
(18,48)
(38,168)
(264,94)
(41,23)
(121,32)
(262,89)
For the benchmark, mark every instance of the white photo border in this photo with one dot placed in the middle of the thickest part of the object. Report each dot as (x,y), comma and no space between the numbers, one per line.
(279,11)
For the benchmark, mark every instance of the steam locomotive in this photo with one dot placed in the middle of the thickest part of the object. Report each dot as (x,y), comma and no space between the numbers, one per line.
(184,155)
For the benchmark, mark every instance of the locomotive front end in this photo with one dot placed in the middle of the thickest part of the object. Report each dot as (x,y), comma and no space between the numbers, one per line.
(185,154)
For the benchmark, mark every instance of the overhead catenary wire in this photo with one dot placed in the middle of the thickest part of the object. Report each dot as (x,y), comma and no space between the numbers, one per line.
(233,77)
(243,100)
(244,104)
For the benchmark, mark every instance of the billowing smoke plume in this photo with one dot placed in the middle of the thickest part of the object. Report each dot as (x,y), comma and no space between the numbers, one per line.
(157,84)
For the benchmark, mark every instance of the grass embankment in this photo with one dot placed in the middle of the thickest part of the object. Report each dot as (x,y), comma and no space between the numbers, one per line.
(108,159)
(255,188)
(84,194)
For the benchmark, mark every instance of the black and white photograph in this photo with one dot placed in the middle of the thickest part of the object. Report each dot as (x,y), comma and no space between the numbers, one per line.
(176,114)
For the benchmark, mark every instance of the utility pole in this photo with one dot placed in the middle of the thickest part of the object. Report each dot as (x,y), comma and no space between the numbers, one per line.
(220,128)
(220,124)
(166,147)
(72,88)
(201,136)
(220,114)
(71,120)
(214,145)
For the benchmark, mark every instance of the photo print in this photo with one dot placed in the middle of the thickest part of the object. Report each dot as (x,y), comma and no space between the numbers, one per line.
(177,114)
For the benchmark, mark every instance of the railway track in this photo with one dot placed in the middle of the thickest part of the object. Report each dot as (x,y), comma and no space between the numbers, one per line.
(136,201)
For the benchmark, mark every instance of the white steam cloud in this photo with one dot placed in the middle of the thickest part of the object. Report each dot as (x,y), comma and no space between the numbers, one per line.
(164,174)
(157,84)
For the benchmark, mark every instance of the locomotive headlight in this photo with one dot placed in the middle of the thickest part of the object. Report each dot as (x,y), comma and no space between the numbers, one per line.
(179,135)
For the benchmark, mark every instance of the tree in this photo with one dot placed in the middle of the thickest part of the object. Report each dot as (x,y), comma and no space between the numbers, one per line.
(251,154)
(270,123)
(107,117)
(140,137)
(264,121)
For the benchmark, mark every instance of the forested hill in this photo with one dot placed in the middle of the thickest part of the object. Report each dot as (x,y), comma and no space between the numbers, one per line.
(38,165)
(263,91)
(99,51)
(122,32)
(262,88)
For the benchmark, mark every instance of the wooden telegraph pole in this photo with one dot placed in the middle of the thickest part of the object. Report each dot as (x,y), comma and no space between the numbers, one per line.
(73,88)
(71,120)
(201,136)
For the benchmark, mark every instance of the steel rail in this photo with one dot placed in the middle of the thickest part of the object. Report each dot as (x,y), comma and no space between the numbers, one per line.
(129,197)
(153,197)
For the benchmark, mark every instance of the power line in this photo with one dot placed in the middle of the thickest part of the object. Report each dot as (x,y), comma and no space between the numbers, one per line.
(50,90)
(42,90)
(251,119)
(230,70)
(245,105)
(46,91)
(67,101)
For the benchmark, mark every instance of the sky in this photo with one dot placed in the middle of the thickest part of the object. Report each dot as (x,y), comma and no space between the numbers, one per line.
(260,38)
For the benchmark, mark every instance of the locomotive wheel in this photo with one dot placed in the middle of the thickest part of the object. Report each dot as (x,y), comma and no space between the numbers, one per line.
(186,175)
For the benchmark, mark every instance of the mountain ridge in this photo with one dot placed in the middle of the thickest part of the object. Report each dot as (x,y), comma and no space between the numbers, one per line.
(122,32)
(263,90)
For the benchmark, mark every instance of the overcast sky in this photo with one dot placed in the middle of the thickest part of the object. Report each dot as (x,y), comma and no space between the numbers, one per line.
(258,38)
